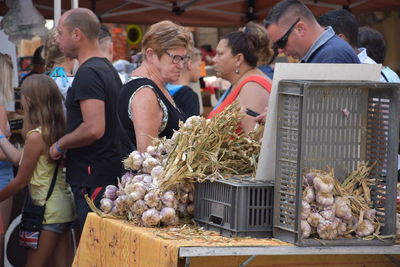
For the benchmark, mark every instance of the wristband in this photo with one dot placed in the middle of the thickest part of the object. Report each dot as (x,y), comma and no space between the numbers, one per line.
(2,136)
(58,148)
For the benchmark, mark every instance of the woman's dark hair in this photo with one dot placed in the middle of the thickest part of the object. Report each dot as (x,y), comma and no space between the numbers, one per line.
(250,44)
(373,41)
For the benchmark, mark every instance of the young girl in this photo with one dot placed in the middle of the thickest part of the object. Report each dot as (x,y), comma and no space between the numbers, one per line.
(44,123)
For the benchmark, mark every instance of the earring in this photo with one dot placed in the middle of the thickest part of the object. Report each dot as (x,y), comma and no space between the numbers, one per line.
(237,71)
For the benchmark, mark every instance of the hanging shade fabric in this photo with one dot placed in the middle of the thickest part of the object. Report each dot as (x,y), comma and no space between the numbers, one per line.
(22,21)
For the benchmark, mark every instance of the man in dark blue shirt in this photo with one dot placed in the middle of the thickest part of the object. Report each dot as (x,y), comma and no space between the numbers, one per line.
(293,29)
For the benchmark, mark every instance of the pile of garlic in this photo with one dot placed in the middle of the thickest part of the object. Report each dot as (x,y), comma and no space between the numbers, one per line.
(138,196)
(329,216)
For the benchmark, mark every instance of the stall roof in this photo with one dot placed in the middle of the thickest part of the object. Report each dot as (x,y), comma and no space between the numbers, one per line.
(211,13)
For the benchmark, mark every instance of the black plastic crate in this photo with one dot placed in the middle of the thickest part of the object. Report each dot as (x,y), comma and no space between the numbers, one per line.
(325,124)
(238,206)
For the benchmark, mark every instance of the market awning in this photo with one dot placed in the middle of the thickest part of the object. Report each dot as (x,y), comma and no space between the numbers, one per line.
(212,13)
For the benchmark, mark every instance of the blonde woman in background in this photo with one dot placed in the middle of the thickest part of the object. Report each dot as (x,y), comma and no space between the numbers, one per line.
(185,97)
(59,67)
(6,169)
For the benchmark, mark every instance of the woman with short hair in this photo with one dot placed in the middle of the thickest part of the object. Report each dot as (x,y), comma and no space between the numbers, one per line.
(145,107)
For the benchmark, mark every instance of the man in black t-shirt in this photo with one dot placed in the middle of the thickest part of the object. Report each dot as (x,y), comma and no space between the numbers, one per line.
(93,158)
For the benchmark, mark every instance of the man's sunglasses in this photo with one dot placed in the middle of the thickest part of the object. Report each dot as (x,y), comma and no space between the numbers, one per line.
(281,43)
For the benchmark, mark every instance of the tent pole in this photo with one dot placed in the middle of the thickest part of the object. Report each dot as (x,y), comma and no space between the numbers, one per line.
(74,4)
(57,12)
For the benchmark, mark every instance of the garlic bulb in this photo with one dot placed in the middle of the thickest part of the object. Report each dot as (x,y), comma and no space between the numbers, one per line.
(314,219)
(130,200)
(308,194)
(148,179)
(370,214)
(309,178)
(139,207)
(140,187)
(136,195)
(126,178)
(186,187)
(341,227)
(167,214)
(342,208)
(184,198)
(152,199)
(114,211)
(305,210)
(152,150)
(169,200)
(136,160)
(151,217)
(149,164)
(182,209)
(321,186)
(190,209)
(328,213)
(191,196)
(365,228)
(138,178)
(327,230)
(305,229)
(106,205)
(192,121)
(110,192)
(162,150)
(120,203)
(156,172)
(324,199)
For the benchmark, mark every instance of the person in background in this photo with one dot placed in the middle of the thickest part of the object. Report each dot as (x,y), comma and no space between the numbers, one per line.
(6,169)
(59,67)
(37,64)
(145,107)
(373,41)
(345,26)
(293,29)
(264,57)
(91,142)
(44,123)
(185,98)
(107,47)
(236,61)
(105,41)
(207,54)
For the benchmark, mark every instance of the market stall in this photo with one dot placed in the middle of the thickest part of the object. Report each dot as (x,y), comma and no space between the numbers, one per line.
(245,210)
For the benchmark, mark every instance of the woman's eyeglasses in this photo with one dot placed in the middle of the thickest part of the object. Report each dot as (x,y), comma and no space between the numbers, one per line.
(281,43)
(177,58)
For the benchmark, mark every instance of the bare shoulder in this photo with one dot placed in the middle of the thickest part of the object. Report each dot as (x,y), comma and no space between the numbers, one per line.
(33,137)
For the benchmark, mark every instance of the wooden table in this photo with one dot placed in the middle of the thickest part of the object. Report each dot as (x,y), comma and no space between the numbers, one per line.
(111,242)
